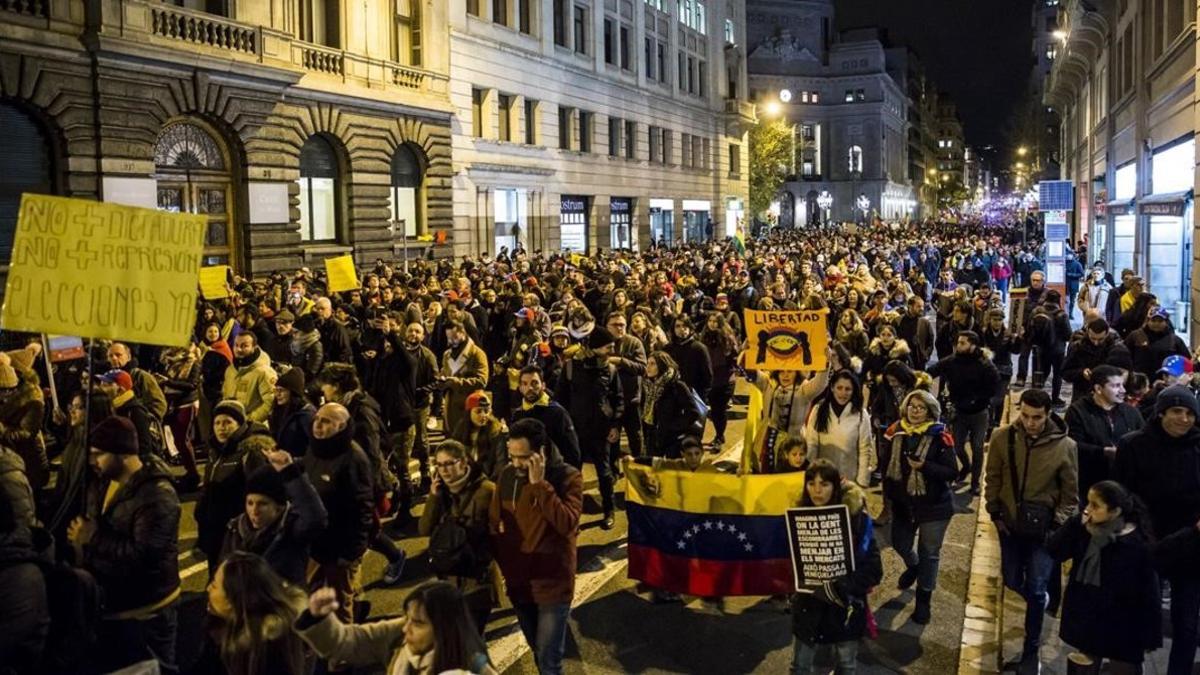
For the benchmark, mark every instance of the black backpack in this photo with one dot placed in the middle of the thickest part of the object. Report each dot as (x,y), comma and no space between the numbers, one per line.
(451,551)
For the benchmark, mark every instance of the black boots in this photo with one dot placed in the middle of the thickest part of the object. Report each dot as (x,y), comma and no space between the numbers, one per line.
(908,577)
(921,614)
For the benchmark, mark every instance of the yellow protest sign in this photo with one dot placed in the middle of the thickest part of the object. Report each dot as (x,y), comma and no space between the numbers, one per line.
(342,275)
(576,259)
(786,340)
(213,282)
(99,270)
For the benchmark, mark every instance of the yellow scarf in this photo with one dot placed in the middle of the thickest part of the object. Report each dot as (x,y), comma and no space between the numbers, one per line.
(915,430)
(544,400)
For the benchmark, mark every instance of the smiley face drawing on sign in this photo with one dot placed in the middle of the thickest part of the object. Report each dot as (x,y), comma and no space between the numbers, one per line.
(783,343)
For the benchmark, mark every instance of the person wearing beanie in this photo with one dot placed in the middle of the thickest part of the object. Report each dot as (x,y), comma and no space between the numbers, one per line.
(22,412)
(119,385)
(590,390)
(282,517)
(232,456)
(917,481)
(1151,344)
(1160,463)
(305,351)
(129,541)
(291,418)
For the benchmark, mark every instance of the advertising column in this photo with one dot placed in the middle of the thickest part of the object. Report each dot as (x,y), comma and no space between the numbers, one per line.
(573,223)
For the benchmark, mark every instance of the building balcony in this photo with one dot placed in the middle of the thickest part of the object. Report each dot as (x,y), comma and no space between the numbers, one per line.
(143,25)
(740,115)
(1085,28)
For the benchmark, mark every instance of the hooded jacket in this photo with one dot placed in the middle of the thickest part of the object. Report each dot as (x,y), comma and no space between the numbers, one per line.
(22,411)
(1052,478)
(467,372)
(817,620)
(1148,350)
(1163,471)
(972,379)
(224,494)
(878,356)
(341,473)
(285,543)
(534,528)
(251,381)
(134,553)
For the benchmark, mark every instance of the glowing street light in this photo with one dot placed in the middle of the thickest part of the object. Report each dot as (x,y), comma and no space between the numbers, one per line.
(772,108)
(1022,151)
(1060,34)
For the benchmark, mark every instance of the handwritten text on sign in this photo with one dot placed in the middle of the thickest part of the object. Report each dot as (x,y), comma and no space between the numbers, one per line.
(786,340)
(821,544)
(100,270)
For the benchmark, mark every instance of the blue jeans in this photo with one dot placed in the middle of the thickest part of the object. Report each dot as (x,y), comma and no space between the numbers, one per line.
(803,655)
(1026,566)
(545,629)
(929,546)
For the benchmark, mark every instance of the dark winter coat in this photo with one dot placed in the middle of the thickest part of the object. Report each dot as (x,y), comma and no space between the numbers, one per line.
(630,369)
(1003,346)
(224,494)
(918,333)
(1122,617)
(939,472)
(369,433)
(335,341)
(285,543)
(341,473)
(559,428)
(134,553)
(695,367)
(591,393)
(1083,355)
(22,412)
(878,357)
(148,429)
(972,379)
(292,426)
(1094,428)
(213,365)
(817,621)
(1148,350)
(391,378)
(675,416)
(1164,472)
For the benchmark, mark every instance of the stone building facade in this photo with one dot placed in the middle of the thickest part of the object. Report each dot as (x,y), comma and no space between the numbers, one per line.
(594,124)
(298,134)
(850,116)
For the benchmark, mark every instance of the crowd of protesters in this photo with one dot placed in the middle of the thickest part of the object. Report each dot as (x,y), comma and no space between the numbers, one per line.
(299,421)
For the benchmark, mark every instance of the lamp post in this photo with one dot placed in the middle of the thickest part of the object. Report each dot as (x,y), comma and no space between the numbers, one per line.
(825,201)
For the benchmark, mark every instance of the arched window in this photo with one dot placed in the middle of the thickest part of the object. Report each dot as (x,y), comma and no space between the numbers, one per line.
(856,159)
(193,177)
(320,206)
(405,195)
(26,168)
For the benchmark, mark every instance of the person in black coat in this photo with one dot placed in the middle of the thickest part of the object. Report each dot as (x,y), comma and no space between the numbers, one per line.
(1112,605)
(669,411)
(1100,345)
(1048,332)
(1151,344)
(292,416)
(537,404)
(283,516)
(835,612)
(1097,422)
(917,481)
(972,379)
(695,367)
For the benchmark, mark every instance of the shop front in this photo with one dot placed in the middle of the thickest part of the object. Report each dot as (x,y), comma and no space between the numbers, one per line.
(1168,211)
(662,220)
(697,220)
(573,223)
(620,222)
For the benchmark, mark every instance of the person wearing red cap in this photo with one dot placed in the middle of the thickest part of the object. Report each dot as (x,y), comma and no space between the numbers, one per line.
(119,385)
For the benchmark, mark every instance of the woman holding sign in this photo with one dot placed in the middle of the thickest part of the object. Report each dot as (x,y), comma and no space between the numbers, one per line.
(835,612)
(917,481)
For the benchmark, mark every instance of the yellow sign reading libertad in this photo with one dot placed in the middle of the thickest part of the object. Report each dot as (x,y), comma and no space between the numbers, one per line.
(100,270)
(786,340)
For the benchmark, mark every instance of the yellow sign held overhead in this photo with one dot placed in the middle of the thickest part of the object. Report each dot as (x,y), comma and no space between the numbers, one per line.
(787,340)
(214,282)
(100,270)
(342,275)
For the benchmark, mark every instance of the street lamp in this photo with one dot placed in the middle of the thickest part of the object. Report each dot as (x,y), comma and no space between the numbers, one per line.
(825,201)
(772,108)
(1021,151)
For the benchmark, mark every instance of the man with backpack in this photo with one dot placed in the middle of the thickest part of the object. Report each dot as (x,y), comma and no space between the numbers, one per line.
(129,540)
(1048,333)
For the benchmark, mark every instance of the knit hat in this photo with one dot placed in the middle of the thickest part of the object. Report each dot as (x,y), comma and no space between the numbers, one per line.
(1176,396)
(22,359)
(478,398)
(8,374)
(931,403)
(120,377)
(115,435)
(268,482)
(231,408)
(600,338)
(293,381)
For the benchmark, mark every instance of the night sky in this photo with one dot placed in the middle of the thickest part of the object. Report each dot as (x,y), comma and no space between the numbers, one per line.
(980,52)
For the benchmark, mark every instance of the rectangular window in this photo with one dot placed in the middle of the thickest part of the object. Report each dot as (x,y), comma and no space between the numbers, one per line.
(849,96)
(701,75)
(531,122)
(662,63)
(614,136)
(500,12)
(504,105)
(406,42)
(610,39)
(630,139)
(706,149)
(477,113)
(804,97)
(860,95)
(585,131)
(655,145)
(580,29)
(649,58)
(524,16)
(560,22)
(730,35)
(564,127)
(685,147)
(816,97)
(473,7)
(691,75)
(625,59)
(735,160)
(682,71)
(697,153)
(318,209)
(667,150)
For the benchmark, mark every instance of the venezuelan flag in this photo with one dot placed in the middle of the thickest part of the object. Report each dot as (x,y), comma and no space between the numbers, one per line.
(711,533)
(739,241)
